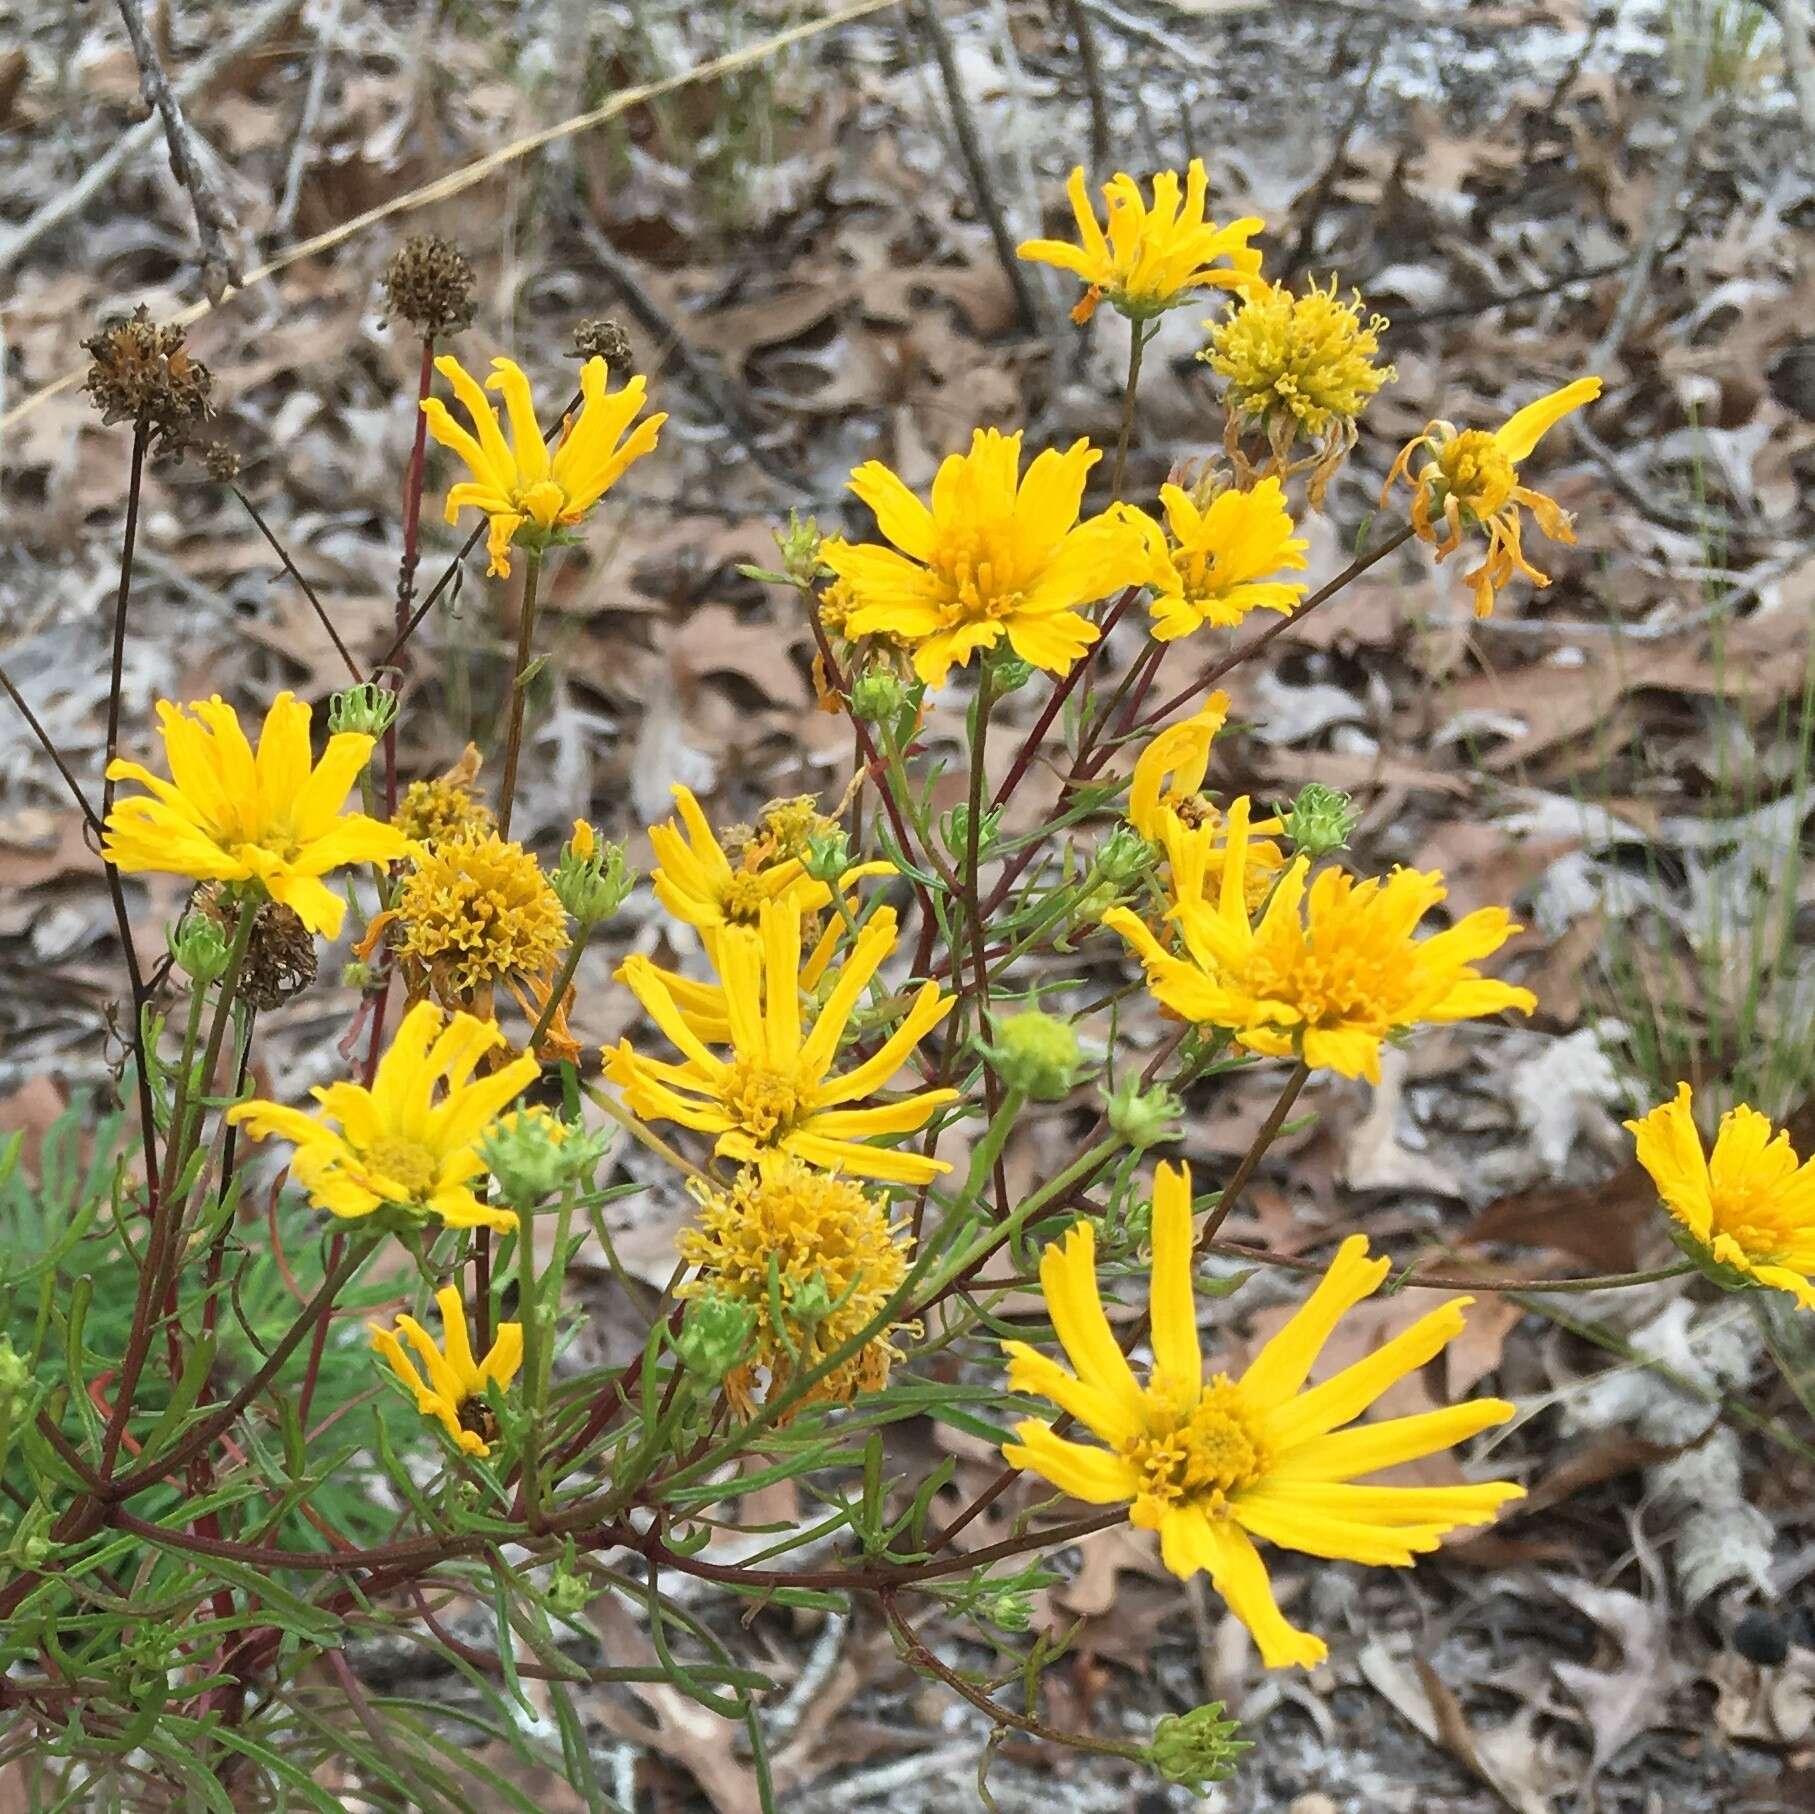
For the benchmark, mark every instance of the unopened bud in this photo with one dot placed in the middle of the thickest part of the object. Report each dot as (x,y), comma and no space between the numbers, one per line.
(955,828)
(1197,1748)
(592,879)
(1124,856)
(828,856)
(367,708)
(1320,820)
(200,949)
(1037,1054)
(1143,1118)
(715,1335)
(1008,673)
(876,697)
(1008,1608)
(800,543)
(527,1152)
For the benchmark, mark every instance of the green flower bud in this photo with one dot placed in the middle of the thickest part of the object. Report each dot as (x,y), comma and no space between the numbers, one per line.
(367,707)
(200,949)
(810,1304)
(1197,1748)
(715,1335)
(15,1372)
(1007,1608)
(569,1591)
(1124,856)
(828,856)
(800,544)
(955,828)
(533,1154)
(33,1552)
(1037,1054)
(356,973)
(1008,672)
(876,697)
(592,879)
(1320,819)
(1141,1117)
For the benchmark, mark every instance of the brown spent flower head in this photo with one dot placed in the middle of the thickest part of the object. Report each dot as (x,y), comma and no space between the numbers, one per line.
(430,284)
(477,911)
(602,338)
(220,462)
(431,812)
(143,373)
(280,956)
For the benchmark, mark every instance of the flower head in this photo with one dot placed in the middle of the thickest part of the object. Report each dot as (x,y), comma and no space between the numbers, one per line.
(412,1140)
(1146,259)
(145,374)
(272,818)
(1213,1463)
(1307,362)
(776,1092)
(454,1392)
(1747,1206)
(521,482)
(814,1257)
(999,554)
(476,911)
(1213,569)
(1471,481)
(1328,971)
(430,284)
(445,807)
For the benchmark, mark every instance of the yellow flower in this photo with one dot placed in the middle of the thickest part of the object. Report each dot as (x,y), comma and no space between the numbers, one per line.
(584,841)
(1213,570)
(776,1092)
(696,881)
(1327,972)
(1305,360)
(228,815)
(825,1243)
(446,806)
(522,482)
(1747,1206)
(396,1143)
(476,911)
(1211,1464)
(1150,258)
(454,1393)
(1472,481)
(998,554)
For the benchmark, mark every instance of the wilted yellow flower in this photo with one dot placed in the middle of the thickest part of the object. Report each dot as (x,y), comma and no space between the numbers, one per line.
(476,911)
(273,819)
(454,1394)
(998,554)
(777,1093)
(1747,1206)
(1213,569)
(520,481)
(1472,481)
(813,1248)
(446,806)
(1326,973)
(1149,259)
(412,1140)
(1211,1464)
(1305,360)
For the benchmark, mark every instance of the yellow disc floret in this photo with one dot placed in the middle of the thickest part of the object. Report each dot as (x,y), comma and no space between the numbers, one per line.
(476,910)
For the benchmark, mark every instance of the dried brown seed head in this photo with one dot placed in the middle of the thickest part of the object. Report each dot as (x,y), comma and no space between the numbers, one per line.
(603,339)
(430,284)
(144,374)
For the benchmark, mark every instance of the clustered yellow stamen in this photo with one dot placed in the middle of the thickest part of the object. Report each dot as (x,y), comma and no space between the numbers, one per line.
(834,1260)
(1309,360)
(1329,970)
(476,911)
(433,811)
(1471,481)
(1212,1464)
(1747,1207)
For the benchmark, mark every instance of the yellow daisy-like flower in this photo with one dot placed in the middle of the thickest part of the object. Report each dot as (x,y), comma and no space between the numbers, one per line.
(476,911)
(1307,361)
(834,1260)
(1472,481)
(1214,567)
(521,481)
(412,1140)
(1327,972)
(999,554)
(776,1092)
(1213,1463)
(454,1393)
(273,818)
(1747,1206)
(1166,806)
(1148,259)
